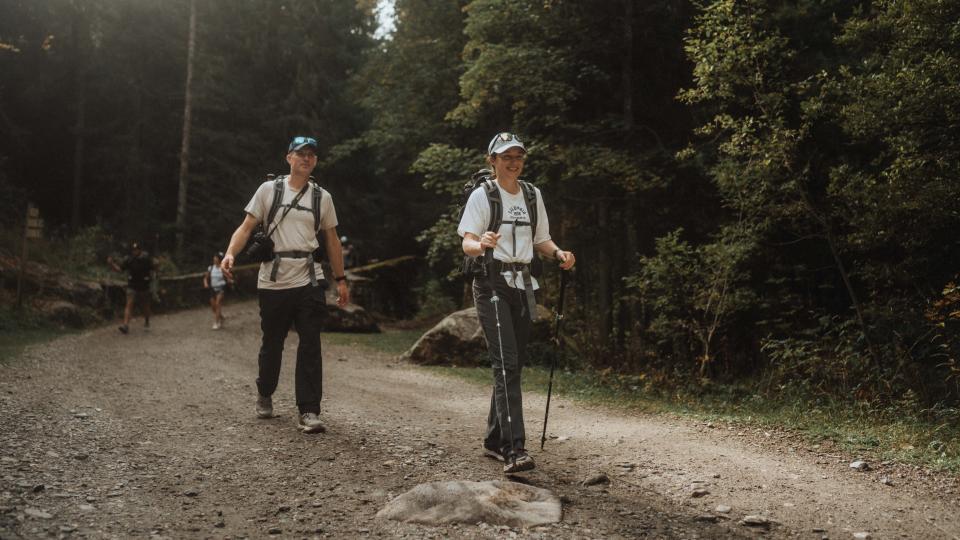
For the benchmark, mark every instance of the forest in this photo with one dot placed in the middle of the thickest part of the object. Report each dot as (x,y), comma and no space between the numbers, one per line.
(760,193)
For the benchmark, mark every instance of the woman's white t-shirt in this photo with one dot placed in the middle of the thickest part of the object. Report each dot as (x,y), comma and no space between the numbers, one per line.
(516,242)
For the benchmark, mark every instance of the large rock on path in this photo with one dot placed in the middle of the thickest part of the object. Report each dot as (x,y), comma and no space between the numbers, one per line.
(493,502)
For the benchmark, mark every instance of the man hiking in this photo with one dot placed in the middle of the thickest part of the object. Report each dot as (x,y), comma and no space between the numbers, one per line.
(291,286)
(139,267)
(504,293)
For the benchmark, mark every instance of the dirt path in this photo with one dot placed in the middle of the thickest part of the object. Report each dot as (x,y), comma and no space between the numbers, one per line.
(153,435)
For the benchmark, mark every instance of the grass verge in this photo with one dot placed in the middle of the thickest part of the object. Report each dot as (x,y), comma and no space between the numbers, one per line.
(390,341)
(20,328)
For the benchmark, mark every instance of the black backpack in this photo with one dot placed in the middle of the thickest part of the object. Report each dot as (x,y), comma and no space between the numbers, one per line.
(483,179)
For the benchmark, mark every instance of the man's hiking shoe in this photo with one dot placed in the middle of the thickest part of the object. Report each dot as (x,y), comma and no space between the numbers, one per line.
(519,461)
(124,329)
(264,407)
(492,453)
(310,423)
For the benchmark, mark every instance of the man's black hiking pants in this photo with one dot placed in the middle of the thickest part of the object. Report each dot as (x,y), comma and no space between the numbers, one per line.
(301,308)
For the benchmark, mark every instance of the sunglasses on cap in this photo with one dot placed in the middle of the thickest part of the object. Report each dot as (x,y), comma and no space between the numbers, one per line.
(299,142)
(304,140)
(504,137)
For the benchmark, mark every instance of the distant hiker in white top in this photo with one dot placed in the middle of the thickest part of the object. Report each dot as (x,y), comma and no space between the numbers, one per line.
(291,286)
(215,281)
(508,252)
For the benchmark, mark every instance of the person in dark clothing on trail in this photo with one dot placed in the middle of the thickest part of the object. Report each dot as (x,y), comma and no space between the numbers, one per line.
(139,267)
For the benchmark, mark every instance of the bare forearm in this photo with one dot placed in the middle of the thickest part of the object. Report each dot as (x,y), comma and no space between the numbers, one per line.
(472,246)
(237,241)
(547,249)
(334,253)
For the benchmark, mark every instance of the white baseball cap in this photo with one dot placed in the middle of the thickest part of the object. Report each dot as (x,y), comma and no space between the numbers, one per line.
(504,141)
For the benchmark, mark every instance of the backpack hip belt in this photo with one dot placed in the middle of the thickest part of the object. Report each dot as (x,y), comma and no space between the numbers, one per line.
(520,271)
(308,255)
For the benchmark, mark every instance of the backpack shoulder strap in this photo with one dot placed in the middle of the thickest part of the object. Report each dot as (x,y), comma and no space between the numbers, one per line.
(277,200)
(530,198)
(315,206)
(496,205)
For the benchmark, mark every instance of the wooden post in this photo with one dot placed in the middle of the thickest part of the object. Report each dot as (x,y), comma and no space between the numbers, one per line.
(31,230)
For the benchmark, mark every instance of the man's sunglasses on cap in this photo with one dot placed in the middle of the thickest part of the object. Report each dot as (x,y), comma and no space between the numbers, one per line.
(299,142)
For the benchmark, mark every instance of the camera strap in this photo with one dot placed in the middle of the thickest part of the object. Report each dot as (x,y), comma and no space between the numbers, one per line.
(289,208)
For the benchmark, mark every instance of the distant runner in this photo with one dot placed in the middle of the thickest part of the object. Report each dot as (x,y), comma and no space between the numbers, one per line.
(139,267)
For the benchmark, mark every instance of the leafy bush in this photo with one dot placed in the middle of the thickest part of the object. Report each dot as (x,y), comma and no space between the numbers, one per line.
(693,292)
(433,301)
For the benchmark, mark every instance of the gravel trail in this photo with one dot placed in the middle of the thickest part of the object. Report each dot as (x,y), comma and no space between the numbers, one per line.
(153,435)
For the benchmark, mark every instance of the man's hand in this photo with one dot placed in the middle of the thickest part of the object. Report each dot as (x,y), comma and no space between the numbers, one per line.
(343,293)
(567,259)
(227,265)
(489,240)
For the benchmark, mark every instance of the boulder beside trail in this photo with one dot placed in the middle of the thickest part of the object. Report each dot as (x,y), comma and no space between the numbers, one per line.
(349,318)
(494,502)
(458,339)
(63,312)
(42,281)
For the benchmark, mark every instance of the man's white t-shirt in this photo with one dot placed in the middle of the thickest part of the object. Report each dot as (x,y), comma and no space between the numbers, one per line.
(516,242)
(295,233)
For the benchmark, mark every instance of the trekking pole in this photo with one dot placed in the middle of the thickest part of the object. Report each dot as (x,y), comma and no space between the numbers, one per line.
(494,299)
(558,346)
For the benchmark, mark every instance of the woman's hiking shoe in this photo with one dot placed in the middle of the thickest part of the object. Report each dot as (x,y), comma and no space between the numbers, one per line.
(264,407)
(518,461)
(492,453)
(310,423)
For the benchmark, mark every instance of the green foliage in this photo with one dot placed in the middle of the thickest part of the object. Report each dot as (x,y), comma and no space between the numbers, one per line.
(392,342)
(694,292)
(841,149)
(821,360)
(434,301)
(445,170)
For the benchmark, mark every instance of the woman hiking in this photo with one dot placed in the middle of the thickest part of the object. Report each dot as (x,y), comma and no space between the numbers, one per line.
(504,295)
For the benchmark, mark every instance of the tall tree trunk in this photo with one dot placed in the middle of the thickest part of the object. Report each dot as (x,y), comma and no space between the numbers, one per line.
(185,141)
(628,265)
(627,66)
(80,31)
(604,292)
